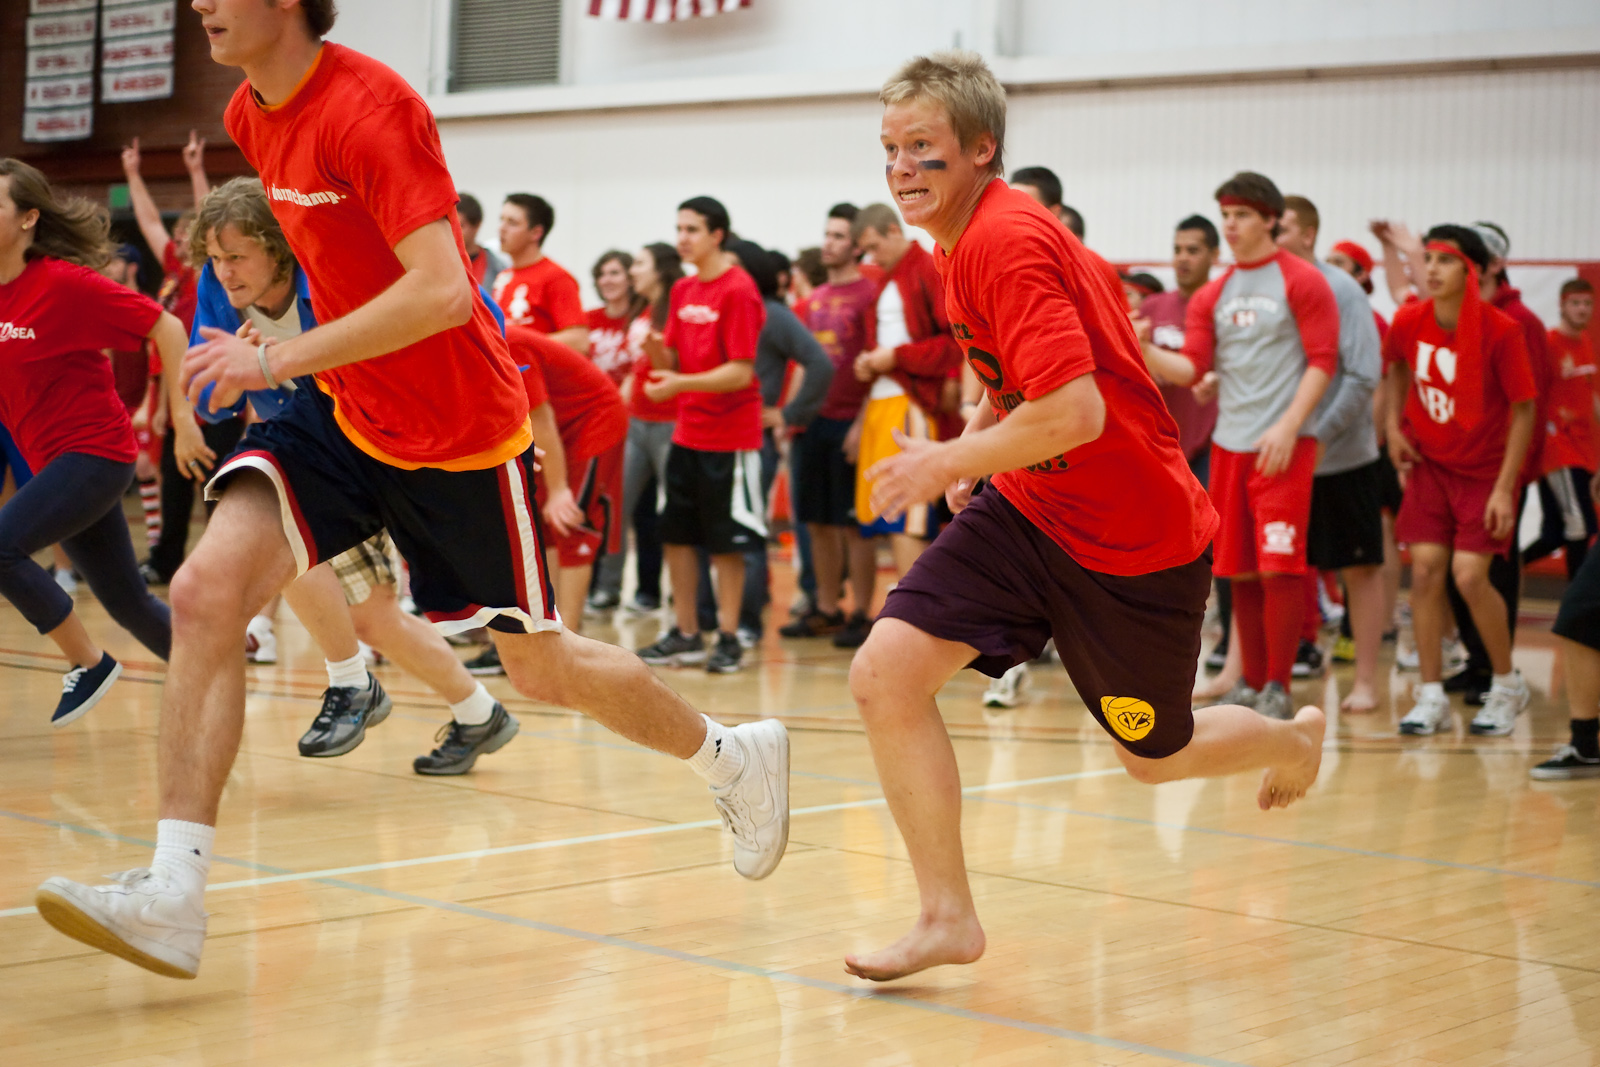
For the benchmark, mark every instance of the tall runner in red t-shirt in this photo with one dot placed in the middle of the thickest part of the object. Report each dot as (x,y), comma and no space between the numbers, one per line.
(536,291)
(431,442)
(1092,529)
(1572,433)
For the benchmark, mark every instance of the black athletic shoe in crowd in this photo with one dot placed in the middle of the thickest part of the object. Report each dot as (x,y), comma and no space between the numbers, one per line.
(485,663)
(813,624)
(727,657)
(855,631)
(82,688)
(460,746)
(1568,763)
(150,575)
(675,649)
(1307,660)
(346,716)
(1472,685)
(1218,658)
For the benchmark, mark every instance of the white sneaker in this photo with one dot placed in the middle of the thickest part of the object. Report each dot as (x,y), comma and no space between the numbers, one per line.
(66,580)
(143,917)
(1501,708)
(1006,690)
(755,807)
(260,641)
(1405,659)
(1428,715)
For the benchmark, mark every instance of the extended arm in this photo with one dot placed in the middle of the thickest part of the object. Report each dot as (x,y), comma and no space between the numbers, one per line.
(1500,514)
(730,376)
(194,160)
(560,510)
(816,374)
(145,212)
(188,444)
(1360,368)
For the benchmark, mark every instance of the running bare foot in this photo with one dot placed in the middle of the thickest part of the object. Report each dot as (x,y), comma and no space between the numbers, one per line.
(1361,699)
(929,944)
(1282,786)
(1212,688)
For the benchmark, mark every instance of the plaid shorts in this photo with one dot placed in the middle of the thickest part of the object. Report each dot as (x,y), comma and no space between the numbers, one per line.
(372,563)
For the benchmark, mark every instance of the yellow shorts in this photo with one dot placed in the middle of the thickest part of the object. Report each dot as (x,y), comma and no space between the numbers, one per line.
(882,417)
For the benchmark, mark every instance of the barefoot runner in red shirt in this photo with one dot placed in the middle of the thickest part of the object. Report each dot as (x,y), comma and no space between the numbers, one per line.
(1056,545)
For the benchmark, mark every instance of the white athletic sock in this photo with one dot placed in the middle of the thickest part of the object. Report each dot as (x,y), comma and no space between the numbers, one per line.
(347,673)
(183,851)
(475,710)
(1509,680)
(1432,689)
(720,759)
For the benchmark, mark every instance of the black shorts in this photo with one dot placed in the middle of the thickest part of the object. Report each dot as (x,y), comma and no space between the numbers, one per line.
(995,581)
(1346,519)
(822,481)
(1579,616)
(1390,493)
(714,501)
(472,538)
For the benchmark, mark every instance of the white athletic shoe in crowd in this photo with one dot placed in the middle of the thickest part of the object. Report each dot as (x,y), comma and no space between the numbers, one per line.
(369,655)
(66,580)
(1501,707)
(755,806)
(143,916)
(1405,658)
(260,641)
(1006,690)
(1429,714)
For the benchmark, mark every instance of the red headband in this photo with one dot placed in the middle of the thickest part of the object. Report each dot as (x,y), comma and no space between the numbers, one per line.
(1358,255)
(1265,210)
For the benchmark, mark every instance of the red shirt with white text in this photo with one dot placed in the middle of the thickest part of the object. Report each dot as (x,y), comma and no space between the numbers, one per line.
(712,323)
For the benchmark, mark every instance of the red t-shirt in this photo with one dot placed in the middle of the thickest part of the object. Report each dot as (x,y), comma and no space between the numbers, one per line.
(1570,432)
(640,406)
(352,165)
(57,391)
(608,344)
(1033,311)
(589,412)
(843,319)
(541,295)
(709,324)
(1457,413)
(179,293)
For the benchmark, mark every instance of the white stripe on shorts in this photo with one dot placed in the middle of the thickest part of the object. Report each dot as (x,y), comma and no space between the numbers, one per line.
(748,507)
(264,463)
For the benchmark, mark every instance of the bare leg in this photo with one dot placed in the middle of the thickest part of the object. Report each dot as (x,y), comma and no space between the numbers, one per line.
(609,684)
(317,600)
(894,678)
(1232,671)
(413,644)
(1364,586)
(1471,570)
(1391,571)
(572,588)
(1430,611)
(729,569)
(863,568)
(827,557)
(683,566)
(1229,738)
(241,560)
(1583,679)
(74,641)
(906,549)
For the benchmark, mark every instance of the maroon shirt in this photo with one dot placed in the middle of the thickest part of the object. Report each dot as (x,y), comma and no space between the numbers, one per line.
(843,318)
(1195,421)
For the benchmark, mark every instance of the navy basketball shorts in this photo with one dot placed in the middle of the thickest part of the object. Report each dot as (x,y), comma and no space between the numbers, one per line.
(996,582)
(471,538)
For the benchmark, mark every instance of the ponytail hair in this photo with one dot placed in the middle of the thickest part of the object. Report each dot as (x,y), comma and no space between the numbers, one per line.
(69,228)
(669,269)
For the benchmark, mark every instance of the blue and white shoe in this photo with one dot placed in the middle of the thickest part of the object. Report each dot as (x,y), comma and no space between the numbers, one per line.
(82,688)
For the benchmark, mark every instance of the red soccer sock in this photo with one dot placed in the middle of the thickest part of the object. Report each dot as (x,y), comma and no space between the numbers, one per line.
(1284,605)
(1249,629)
(1311,626)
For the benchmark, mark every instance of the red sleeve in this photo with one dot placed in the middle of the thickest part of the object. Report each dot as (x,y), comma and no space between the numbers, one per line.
(741,322)
(1315,311)
(564,303)
(938,355)
(1200,328)
(393,160)
(113,316)
(1034,322)
(1511,368)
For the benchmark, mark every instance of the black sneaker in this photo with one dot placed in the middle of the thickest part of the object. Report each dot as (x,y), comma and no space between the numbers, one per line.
(727,657)
(346,715)
(1467,681)
(82,688)
(485,663)
(813,624)
(460,746)
(675,649)
(1218,658)
(1307,660)
(855,631)
(601,603)
(1568,763)
(150,575)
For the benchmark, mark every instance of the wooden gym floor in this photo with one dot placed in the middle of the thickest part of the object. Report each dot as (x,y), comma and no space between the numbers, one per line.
(572,900)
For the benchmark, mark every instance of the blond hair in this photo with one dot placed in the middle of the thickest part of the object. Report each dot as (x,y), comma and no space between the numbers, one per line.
(241,203)
(878,217)
(962,83)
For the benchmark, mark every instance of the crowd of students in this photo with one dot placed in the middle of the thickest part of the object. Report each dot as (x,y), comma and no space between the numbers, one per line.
(1326,436)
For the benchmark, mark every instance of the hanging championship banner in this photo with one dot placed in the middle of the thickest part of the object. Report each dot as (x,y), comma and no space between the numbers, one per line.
(45,30)
(60,7)
(131,20)
(136,52)
(143,83)
(62,61)
(61,124)
(59,92)
(58,96)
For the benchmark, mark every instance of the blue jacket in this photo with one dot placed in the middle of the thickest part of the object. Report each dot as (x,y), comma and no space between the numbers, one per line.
(213,309)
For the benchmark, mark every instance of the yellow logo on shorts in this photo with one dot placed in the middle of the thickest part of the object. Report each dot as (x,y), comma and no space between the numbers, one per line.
(1130,717)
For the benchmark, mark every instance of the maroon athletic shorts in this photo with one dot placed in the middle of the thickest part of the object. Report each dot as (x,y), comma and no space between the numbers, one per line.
(995,581)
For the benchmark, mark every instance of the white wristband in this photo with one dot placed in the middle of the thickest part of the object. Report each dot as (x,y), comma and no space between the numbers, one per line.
(266,371)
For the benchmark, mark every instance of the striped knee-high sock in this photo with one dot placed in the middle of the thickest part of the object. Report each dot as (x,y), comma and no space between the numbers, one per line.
(150,497)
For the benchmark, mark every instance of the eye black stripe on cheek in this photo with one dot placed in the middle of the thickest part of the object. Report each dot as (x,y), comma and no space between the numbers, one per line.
(931,164)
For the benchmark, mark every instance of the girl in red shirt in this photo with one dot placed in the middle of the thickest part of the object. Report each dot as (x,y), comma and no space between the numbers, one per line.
(59,399)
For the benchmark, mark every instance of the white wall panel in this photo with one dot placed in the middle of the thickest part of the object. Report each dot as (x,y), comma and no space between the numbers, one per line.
(1521,148)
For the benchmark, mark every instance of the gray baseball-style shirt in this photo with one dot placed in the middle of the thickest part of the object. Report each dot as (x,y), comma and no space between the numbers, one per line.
(1343,420)
(1259,326)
